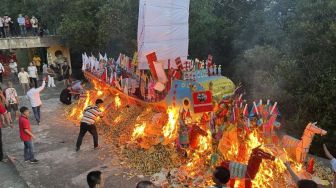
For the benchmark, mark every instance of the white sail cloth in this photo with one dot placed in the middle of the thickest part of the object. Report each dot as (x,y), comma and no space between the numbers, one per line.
(163,28)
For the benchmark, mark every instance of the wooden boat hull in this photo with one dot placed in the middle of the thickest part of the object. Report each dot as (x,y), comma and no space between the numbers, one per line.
(99,84)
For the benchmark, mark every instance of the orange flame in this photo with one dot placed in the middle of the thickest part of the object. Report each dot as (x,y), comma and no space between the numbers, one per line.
(170,129)
(138,131)
(117,101)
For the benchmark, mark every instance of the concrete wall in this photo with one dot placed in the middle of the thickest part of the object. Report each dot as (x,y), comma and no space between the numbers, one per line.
(29,42)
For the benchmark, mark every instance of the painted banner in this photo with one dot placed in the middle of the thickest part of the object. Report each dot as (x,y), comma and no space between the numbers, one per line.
(202,101)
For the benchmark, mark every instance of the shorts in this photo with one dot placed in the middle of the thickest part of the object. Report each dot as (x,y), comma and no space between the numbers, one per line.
(2,109)
(12,107)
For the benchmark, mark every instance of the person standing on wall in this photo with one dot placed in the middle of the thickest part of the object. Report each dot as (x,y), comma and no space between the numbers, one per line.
(21,22)
(34,23)
(32,71)
(34,98)
(2,71)
(2,29)
(28,25)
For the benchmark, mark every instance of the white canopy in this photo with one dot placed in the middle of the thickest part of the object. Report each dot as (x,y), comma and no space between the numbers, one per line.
(163,28)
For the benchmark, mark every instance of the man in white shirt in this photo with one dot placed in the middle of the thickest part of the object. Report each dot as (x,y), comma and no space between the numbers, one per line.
(33,96)
(21,22)
(34,23)
(13,69)
(24,80)
(32,71)
(2,70)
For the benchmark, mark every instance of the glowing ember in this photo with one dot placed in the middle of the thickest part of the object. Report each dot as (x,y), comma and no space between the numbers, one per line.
(169,130)
(117,101)
(138,131)
(205,143)
(99,93)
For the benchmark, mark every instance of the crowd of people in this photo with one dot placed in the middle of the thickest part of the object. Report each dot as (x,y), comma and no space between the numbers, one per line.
(22,26)
(32,86)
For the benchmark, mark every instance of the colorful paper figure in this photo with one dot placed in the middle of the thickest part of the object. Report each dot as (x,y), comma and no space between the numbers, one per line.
(298,149)
(247,172)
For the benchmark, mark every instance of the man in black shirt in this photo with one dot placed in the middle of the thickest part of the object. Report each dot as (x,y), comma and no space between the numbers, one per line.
(65,96)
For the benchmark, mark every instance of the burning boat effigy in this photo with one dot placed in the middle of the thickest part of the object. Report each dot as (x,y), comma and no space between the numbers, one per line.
(175,119)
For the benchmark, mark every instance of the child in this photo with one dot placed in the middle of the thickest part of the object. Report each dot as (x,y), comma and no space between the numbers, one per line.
(26,135)
(221,177)
(332,162)
(145,184)
(95,179)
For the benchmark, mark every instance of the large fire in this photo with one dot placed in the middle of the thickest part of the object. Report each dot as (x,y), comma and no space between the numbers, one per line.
(199,159)
(170,129)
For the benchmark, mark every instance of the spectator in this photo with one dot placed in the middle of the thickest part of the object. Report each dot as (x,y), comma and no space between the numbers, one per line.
(65,96)
(2,29)
(13,69)
(221,177)
(90,116)
(12,100)
(32,71)
(34,23)
(300,183)
(66,73)
(7,21)
(41,31)
(45,70)
(145,184)
(95,179)
(332,162)
(33,96)
(4,113)
(28,25)
(26,135)
(21,22)
(78,88)
(37,62)
(51,75)
(24,80)
(2,70)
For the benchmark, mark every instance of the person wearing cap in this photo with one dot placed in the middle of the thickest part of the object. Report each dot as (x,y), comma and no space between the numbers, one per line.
(90,117)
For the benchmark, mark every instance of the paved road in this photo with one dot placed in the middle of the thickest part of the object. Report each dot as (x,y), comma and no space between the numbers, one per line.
(60,165)
(9,177)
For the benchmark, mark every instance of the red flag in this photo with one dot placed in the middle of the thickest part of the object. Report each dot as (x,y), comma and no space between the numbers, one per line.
(202,101)
(179,63)
(175,74)
(104,76)
(151,57)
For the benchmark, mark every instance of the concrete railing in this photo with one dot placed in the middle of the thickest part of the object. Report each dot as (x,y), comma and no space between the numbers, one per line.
(29,42)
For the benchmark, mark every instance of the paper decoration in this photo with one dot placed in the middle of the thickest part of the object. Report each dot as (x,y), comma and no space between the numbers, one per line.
(202,101)
(300,148)
(151,58)
(160,72)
